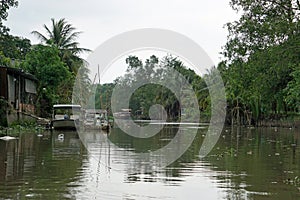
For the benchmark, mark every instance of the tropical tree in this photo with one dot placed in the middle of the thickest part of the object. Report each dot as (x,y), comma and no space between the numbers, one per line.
(262,24)
(5,5)
(63,36)
(53,75)
(4,61)
(261,55)
(14,47)
(161,73)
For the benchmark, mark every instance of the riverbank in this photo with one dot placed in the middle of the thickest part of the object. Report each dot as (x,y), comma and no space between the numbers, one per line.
(22,126)
(284,123)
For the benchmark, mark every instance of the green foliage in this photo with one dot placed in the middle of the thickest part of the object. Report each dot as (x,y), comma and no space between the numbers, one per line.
(262,24)
(5,5)
(14,47)
(103,96)
(159,72)
(57,64)
(4,61)
(261,54)
(63,36)
(293,89)
(45,64)
(23,124)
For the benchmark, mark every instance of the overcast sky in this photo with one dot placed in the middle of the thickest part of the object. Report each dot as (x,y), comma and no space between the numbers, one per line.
(201,20)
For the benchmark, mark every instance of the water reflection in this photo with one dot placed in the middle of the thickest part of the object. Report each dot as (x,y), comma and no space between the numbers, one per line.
(39,166)
(259,163)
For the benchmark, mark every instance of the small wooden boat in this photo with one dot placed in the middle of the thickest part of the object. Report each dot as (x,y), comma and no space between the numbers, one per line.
(65,116)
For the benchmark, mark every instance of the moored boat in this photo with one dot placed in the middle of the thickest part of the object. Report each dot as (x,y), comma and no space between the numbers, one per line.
(65,116)
(96,119)
(123,114)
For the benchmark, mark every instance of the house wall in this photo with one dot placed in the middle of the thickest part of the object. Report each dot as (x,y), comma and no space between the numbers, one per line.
(3,83)
(3,112)
(29,96)
(18,116)
(11,87)
(3,97)
(18,91)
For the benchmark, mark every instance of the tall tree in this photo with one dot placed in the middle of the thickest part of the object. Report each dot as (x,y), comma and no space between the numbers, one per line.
(5,5)
(53,75)
(160,72)
(14,47)
(63,36)
(263,23)
(261,54)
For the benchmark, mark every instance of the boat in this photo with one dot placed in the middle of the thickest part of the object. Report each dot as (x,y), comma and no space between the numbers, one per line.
(123,114)
(7,138)
(65,116)
(96,119)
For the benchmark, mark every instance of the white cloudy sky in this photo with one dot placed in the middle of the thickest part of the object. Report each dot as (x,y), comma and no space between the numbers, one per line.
(201,20)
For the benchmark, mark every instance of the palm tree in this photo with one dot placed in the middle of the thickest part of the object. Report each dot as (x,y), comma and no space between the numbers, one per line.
(63,36)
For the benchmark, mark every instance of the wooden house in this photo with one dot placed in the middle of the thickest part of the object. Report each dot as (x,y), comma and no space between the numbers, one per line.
(18,94)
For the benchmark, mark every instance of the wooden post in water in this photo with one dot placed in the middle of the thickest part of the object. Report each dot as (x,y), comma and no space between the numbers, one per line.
(101,103)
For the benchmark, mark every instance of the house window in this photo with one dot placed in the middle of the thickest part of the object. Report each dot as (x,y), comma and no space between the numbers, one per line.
(11,88)
(30,86)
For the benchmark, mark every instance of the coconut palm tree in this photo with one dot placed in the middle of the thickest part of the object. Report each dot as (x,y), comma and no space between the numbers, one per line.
(63,36)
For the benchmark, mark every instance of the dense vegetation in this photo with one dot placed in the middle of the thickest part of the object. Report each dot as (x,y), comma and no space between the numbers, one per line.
(158,71)
(55,62)
(260,69)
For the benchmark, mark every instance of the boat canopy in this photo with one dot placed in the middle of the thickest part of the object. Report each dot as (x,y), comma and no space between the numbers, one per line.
(66,106)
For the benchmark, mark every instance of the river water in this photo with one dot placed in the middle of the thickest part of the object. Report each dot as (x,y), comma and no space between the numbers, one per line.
(246,163)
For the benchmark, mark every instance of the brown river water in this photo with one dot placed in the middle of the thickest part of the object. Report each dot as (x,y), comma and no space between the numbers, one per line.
(246,163)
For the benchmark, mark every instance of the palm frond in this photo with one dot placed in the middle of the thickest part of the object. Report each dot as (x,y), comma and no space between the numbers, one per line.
(64,36)
(40,36)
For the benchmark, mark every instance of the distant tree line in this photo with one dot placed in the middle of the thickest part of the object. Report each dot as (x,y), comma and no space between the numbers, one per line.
(260,69)
(144,97)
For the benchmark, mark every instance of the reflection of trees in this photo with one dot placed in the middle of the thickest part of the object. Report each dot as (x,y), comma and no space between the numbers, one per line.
(172,173)
(123,140)
(29,166)
(247,163)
